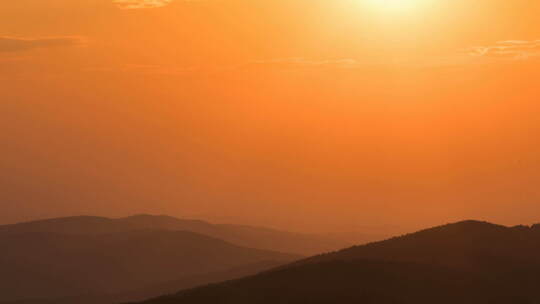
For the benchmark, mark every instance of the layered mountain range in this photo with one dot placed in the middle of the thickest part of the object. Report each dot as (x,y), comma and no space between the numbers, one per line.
(100,260)
(466,262)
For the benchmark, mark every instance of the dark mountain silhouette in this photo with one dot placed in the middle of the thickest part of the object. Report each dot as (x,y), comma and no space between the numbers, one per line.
(467,262)
(253,237)
(53,265)
(465,245)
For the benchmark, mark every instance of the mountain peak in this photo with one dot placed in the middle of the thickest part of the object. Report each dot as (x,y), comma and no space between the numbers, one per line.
(162,220)
(471,224)
(455,244)
(146,215)
(461,228)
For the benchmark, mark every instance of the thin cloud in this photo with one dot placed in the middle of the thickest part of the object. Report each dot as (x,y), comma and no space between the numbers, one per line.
(140,4)
(11,44)
(509,49)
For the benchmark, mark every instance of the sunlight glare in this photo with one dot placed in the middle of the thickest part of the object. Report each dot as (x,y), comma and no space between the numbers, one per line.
(395,6)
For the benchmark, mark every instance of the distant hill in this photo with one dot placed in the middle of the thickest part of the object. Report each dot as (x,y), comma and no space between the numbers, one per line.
(156,290)
(48,264)
(468,262)
(253,237)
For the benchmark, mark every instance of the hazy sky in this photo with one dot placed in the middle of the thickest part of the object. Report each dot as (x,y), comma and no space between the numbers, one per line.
(313,115)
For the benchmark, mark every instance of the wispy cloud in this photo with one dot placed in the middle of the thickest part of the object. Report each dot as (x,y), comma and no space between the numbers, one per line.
(12,44)
(509,49)
(138,4)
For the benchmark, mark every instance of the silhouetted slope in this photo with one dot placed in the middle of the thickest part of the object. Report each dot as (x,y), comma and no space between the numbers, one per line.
(468,262)
(254,237)
(468,244)
(51,265)
(337,282)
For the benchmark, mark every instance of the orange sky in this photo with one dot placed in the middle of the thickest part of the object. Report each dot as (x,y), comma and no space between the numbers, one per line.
(312,115)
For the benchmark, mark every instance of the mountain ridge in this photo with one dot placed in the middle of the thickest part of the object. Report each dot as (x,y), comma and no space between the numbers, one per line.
(55,265)
(246,236)
(473,262)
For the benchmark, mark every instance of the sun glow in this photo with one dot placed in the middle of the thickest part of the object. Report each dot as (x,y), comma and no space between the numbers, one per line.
(395,6)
